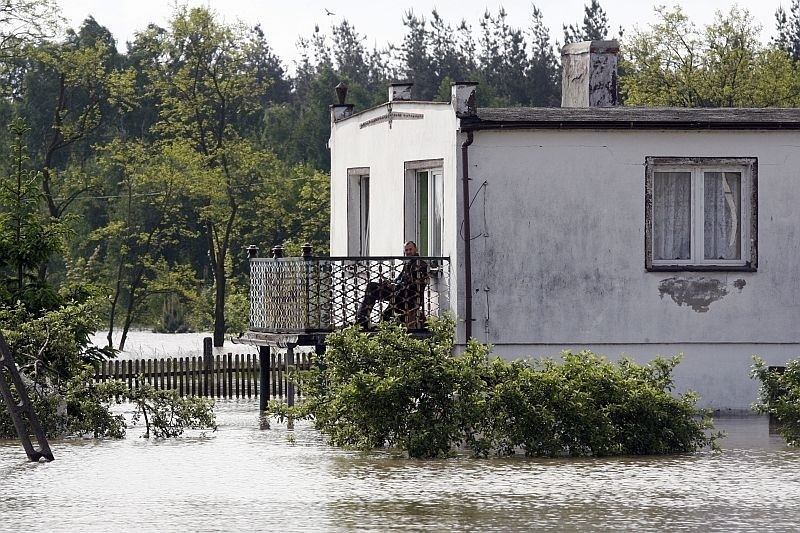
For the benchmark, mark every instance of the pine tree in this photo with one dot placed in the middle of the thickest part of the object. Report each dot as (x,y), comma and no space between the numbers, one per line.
(543,69)
(788,28)
(595,25)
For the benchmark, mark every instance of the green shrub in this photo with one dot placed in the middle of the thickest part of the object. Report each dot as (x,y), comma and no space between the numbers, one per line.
(84,408)
(166,414)
(390,389)
(779,396)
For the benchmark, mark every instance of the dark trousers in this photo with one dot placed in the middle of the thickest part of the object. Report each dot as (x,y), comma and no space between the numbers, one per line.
(375,291)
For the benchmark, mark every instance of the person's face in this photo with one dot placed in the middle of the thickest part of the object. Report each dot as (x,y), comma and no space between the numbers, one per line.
(409,249)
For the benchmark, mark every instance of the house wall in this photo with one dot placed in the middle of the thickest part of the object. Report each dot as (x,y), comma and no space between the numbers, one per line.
(559,256)
(367,140)
(385,149)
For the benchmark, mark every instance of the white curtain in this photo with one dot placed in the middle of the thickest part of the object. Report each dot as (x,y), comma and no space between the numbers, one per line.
(672,215)
(722,202)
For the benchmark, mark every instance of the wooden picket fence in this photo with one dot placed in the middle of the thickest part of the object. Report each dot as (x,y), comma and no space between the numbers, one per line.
(220,376)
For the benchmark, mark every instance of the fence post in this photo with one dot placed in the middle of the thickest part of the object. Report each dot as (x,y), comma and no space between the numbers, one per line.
(290,373)
(208,361)
(263,378)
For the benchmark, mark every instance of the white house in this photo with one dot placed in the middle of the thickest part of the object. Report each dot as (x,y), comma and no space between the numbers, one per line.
(635,231)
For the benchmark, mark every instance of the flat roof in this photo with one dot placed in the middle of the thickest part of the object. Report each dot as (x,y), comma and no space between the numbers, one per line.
(716,118)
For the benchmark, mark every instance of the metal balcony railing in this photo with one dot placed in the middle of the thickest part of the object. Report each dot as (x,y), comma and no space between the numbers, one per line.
(320,294)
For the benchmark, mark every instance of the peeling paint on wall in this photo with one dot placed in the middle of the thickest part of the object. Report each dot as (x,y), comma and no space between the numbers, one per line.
(739,284)
(697,293)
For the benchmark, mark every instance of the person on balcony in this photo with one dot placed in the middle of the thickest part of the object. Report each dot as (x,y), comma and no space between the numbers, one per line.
(405,294)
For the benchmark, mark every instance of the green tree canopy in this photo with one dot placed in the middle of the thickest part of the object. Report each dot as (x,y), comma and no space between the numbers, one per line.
(672,63)
(207,91)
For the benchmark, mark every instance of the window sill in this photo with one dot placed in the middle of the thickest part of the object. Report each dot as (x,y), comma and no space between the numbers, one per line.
(700,268)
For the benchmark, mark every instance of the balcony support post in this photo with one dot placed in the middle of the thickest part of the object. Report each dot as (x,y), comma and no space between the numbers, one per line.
(263,379)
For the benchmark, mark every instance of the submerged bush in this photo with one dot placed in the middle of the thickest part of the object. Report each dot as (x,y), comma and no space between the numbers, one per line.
(390,389)
(779,396)
(84,409)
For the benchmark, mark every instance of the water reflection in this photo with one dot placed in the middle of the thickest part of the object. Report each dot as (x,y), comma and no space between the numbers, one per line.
(245,479)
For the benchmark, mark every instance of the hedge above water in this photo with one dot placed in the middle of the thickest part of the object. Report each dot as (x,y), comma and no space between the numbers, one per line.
(387,389)
(779,396)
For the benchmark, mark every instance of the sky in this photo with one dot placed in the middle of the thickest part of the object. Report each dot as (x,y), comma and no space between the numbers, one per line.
(381,22)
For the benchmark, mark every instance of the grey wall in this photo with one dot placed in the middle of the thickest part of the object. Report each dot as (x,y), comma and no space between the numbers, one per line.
(560,257)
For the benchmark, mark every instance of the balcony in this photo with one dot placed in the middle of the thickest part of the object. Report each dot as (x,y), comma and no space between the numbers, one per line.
(316,295)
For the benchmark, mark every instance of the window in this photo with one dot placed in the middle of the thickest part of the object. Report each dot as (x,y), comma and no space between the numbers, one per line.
(701,213)
(358,211)
(429,212)
(425,205)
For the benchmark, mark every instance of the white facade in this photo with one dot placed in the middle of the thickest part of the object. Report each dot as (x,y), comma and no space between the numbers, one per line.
(370,143)
(558,238)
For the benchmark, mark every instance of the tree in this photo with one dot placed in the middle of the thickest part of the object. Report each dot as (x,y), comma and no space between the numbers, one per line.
(205,88)
(543,70)
(292,210)
(415,57)
(146,221)
(595,25)
(26,239)
(518,66)
(79,89)
(23,23)
(504,59)
(48,329)
(674,64)
(297,130)
(788,29)
(452,51)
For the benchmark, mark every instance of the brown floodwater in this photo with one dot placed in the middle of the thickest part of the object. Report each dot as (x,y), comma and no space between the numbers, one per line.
(244,478)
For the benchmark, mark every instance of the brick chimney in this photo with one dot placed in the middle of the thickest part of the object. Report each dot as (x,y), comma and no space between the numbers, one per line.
(589,74)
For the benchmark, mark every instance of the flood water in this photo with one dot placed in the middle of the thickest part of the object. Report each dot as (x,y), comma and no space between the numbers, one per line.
(244,478)
(141,344)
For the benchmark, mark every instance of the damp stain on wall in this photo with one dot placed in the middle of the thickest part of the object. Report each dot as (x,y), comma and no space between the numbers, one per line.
(695,292)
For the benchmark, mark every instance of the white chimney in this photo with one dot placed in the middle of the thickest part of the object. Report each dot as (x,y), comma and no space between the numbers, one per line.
(462,97)
(400,91)
(589,74)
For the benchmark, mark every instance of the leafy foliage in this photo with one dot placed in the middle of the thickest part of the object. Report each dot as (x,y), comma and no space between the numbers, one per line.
(84,409)
(779,396)
(788,28)
(26,238)
(672,63)
(209,95)
(166,414)
(390,389)
(22,23)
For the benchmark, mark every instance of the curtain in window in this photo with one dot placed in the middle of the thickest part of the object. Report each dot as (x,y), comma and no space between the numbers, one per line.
(672,215)
(722,207)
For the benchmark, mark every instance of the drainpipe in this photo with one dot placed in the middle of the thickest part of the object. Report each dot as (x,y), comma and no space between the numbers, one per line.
(467,237)
(462,98)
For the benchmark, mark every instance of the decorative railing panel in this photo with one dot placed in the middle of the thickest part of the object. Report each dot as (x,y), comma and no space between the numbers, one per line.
(319,294)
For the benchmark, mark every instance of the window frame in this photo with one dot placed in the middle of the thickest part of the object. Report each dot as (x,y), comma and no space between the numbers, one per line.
(412,201)
(748,226)
(358,207)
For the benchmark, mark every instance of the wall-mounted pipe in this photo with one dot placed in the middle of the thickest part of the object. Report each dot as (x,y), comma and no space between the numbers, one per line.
(467,237)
